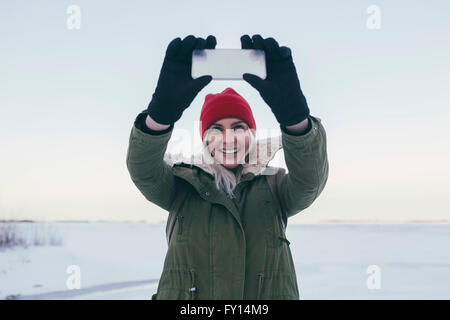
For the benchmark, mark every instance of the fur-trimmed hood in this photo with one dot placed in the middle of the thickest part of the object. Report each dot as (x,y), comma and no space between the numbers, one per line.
(263,152)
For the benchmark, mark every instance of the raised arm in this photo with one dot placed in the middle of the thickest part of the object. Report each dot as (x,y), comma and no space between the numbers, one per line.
(307,161)
(152,129)
(151,175)
(303,136)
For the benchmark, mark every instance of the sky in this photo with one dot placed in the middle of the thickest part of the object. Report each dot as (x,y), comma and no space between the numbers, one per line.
(68,99)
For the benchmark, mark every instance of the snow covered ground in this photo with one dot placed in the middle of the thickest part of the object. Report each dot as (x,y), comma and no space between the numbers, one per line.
(124,261)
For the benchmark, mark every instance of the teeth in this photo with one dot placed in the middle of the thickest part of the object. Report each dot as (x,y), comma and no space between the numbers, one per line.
(229,151)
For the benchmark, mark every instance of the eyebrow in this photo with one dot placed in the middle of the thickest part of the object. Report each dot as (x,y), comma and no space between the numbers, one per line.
(219,125)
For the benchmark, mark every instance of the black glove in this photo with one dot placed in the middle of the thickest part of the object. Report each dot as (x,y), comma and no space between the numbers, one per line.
(176,89)
(281,88)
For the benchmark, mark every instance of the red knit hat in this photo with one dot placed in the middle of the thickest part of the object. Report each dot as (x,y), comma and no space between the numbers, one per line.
(228,103)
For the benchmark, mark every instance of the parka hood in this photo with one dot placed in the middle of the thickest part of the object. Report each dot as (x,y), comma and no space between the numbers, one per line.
(263,152)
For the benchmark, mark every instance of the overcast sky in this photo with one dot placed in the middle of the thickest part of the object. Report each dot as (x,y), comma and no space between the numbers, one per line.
(68,98)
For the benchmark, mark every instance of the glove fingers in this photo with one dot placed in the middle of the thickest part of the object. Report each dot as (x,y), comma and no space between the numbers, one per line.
(246,42)
(173,47)
(285,52)
(211,42)
(187,46)
(201,43)
(272,48)
(258,42)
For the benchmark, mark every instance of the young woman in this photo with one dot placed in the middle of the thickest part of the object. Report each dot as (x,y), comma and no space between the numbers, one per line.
(228,241)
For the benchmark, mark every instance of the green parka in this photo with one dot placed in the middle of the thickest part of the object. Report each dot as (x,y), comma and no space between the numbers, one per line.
(224,248)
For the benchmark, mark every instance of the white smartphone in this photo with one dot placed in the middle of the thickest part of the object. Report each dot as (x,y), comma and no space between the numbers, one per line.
(228,64)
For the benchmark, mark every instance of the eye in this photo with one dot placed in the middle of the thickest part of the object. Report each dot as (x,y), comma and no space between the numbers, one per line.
(239,127)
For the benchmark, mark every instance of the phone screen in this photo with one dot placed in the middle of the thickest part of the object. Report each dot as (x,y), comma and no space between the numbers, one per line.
(228,64)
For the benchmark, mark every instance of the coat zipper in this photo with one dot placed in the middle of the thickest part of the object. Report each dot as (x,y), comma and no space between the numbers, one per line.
(193,288)
(260,281)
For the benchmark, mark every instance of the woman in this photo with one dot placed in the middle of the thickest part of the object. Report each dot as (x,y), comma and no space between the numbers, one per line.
(228,241)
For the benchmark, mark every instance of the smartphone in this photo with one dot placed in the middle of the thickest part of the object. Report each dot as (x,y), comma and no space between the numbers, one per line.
(228,64)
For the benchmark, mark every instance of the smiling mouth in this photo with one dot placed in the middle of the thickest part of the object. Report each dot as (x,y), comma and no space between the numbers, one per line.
(231,151)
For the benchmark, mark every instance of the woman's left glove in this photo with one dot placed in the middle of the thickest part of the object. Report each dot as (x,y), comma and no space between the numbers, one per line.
(281,88)
(176,89)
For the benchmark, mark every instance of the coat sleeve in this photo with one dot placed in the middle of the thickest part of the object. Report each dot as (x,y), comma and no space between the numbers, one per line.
(145,162)
(307,162)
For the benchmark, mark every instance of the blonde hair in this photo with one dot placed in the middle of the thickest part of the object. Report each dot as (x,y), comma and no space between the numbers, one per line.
(224,178)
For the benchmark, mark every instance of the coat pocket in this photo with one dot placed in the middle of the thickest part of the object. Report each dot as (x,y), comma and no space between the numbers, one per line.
(267,209)
(275,235)
(184,220)
(260,277)
(178,283)
(180,224)
(277,285)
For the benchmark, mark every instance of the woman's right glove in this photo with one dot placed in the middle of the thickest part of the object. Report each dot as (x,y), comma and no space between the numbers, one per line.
(281,88)
(176,88)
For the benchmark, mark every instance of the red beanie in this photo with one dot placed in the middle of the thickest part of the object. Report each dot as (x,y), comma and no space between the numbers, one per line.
(228,103)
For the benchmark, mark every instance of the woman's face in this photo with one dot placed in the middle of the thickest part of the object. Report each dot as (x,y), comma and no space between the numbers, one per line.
(228,140)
